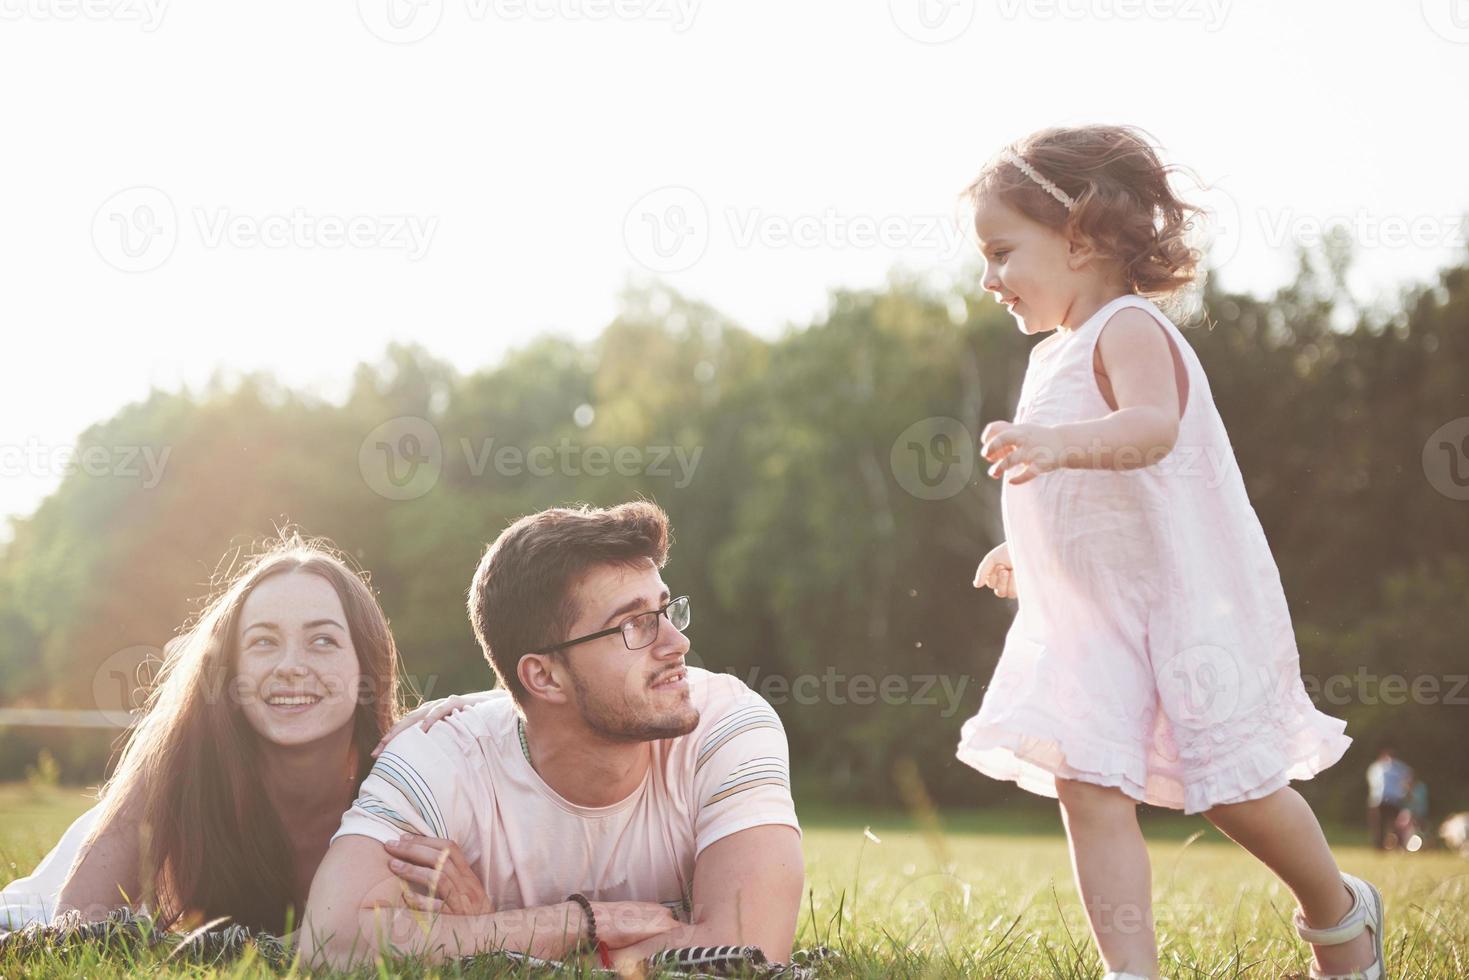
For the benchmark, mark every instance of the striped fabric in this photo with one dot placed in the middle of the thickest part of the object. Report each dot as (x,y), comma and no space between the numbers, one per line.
(397,771)
(743,720)
(765,770)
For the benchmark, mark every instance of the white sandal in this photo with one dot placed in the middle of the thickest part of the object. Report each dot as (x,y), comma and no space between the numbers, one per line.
(1366,913)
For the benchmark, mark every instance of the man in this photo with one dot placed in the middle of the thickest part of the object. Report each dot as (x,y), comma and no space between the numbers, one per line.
(1389,785)
(612,790)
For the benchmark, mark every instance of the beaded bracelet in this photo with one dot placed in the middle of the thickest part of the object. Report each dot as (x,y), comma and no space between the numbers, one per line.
(586,908)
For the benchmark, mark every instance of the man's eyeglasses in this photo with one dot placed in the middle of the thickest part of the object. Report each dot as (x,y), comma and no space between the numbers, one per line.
(640,631)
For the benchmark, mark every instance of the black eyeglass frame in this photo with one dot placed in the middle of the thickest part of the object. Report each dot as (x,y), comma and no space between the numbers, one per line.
(661,612)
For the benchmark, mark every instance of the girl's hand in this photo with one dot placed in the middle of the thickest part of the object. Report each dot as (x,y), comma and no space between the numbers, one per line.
(428,713)
(438,867)
(1028,449)
(996,572)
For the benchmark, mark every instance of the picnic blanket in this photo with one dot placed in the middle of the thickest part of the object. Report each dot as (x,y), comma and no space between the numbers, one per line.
(125,929)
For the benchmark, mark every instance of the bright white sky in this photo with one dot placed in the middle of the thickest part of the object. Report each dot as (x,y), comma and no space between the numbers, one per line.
(528,146)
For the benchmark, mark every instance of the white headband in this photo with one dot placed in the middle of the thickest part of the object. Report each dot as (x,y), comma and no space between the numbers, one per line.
(1024,166)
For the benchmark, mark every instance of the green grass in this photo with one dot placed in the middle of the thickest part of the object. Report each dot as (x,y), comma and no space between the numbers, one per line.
(963,895)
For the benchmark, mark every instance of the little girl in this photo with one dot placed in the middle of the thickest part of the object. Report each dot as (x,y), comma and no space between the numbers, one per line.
(1152,658)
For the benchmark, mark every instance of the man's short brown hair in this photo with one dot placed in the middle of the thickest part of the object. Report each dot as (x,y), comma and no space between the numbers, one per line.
(524,593)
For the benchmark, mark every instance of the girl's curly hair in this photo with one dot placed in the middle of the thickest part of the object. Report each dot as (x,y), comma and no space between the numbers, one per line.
(1124,204)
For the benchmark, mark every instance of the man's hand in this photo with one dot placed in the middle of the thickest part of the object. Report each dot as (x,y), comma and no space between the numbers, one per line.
(622,924)
(449,884)
(747,892)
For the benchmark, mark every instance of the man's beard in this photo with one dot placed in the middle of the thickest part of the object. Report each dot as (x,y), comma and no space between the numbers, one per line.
(619,723)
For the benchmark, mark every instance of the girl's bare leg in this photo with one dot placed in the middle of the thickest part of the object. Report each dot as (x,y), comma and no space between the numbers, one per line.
(1113,874)
(1283,833)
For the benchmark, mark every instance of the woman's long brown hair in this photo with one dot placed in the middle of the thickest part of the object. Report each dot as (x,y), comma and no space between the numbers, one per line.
(211,843)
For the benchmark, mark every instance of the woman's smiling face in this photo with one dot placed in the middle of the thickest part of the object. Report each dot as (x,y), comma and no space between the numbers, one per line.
(1025,264)
(296,671)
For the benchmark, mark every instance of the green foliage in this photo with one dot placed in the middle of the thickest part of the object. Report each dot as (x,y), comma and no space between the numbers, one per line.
(804,554)
(45,775)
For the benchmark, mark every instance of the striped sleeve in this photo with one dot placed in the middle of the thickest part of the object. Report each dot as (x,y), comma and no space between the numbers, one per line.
(742,772)
(411,789)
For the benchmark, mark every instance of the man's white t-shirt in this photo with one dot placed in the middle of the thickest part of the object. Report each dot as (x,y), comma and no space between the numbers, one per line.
(467,779)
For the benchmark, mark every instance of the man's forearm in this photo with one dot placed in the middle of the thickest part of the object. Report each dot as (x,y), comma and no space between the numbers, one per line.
(1128,438)
(548,932)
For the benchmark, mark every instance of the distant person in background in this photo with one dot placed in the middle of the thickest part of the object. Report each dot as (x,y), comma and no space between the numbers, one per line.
(255,739)
(1389,788)
(1412,818)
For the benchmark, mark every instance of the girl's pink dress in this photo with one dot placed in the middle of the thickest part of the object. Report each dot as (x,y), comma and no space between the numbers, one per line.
(1153,649)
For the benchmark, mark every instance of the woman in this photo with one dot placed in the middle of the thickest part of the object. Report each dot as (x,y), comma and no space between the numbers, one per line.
(254,741)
